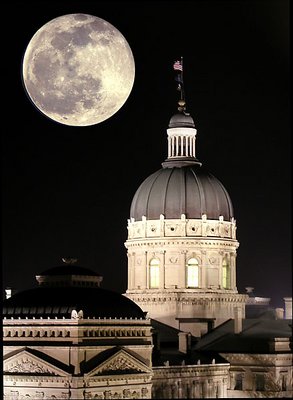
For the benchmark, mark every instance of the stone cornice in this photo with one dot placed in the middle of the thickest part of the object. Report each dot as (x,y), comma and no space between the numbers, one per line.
(88,332)
(145,377)
(190,370)
(192,297)
(63,381)
(262,360)
(205,242)
(74,322)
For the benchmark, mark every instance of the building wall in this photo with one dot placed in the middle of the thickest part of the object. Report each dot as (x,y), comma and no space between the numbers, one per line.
(172,244)
(77,358)
(190,382)
(260,375)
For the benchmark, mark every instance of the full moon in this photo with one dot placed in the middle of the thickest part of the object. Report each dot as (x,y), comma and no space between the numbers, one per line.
(78,70)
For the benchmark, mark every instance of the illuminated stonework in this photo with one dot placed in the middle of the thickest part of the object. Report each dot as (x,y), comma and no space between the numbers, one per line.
(77,358)
(181,243)
(183,227)
(208,292)
(190,382)
(173,245)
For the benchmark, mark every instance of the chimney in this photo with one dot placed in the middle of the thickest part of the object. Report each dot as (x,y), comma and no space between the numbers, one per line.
(279,313)
(9,292)
(237,320)
(184,339)
(249,290)
(288,307)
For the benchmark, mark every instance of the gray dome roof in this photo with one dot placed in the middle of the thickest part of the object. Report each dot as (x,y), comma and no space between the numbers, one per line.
(189,190)
(181,119)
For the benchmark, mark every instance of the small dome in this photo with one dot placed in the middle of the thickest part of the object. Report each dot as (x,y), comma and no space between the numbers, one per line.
(61,301)
(69,270)
(189,190)
(69,274)
(67,288)
(181,120)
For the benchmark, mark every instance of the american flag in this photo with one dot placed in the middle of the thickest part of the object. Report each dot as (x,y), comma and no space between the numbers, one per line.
(177,66)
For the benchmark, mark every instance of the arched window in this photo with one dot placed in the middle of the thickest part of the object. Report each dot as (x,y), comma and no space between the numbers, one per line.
(225,274)
(154,273)
(192,273)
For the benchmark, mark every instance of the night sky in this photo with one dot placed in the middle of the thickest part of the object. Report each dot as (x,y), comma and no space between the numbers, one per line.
(66,191)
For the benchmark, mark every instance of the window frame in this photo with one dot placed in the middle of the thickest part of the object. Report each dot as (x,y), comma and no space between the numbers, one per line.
(192,273)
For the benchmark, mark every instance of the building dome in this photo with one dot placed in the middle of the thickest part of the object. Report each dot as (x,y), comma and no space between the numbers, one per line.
(182,186)
(181,119)
(62,290)
(69,270)
(189,190)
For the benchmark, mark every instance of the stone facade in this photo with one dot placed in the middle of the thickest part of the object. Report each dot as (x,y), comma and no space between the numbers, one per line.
(190,382)
(210,297)
(262,375)
(77,358)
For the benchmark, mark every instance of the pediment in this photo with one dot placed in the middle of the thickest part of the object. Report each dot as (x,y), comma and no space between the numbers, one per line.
(25,361)
(120,363)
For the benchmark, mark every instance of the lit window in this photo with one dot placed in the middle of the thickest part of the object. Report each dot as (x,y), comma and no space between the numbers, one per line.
(154,273)
(192,273)
(226,274)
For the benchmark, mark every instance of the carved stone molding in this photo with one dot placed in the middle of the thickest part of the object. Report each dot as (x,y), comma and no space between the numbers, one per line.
(120,363)
(27,366)
(181,227)
(213,260)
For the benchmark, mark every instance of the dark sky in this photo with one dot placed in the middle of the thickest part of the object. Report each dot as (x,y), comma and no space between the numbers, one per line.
(67,190)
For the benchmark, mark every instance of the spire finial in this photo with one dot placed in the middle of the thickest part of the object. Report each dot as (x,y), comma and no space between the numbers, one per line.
(69,260)
(178,67)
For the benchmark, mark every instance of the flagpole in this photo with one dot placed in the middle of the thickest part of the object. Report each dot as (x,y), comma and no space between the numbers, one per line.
(182,86)
(178,67)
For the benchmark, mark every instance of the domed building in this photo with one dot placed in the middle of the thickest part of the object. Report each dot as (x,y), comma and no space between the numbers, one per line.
(180,329)
(69,338)
(181,243)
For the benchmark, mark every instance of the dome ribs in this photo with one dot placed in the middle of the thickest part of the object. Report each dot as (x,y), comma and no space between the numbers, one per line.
(229,203)
(149,211)
(201,209)
(166,188)
(215,201)
(183,207)
(189,190)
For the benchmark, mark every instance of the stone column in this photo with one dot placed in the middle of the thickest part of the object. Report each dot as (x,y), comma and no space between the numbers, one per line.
(220,390)
(129,272)
(162,270)
(224,387)
(144,266)
(205,389)
(180,390)
(233,271)
(288,307)
(182,270)
(147,271)
(203,268)
(133,270)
